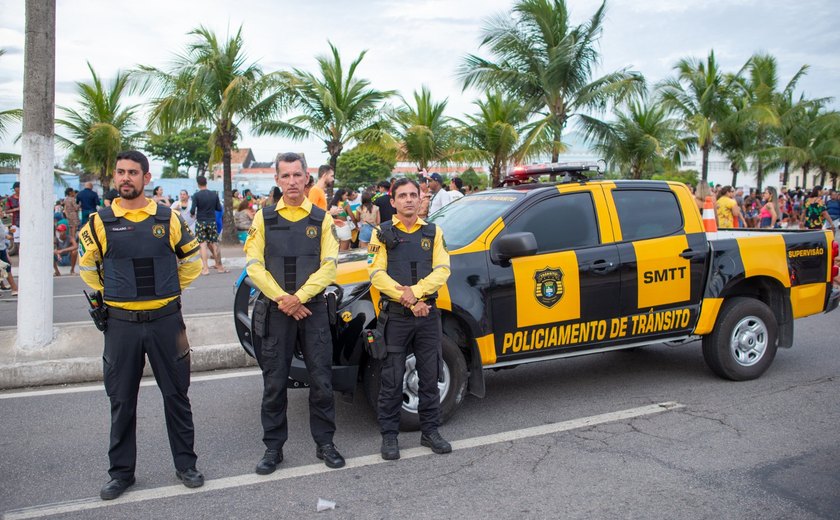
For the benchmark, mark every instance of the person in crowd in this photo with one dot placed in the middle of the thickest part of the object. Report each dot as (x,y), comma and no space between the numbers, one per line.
(159,197)
(65,250)
(440,197)
(88,200)
(205,204)
(382,200)
(70,209)
(119,246)
(318,192)
(291,255)
(368,219)
(769,214)
(425,197)
(5,263)
(409,265)
(109,197)
(833,208)
(816,214)
(751,204)
(183,206)
(342,216)
(244,216)
(728,212)
(13,205)
(456,188)
(273,197)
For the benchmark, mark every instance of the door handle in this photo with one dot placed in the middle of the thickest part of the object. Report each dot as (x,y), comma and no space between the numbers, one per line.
(690,254)
(602,266)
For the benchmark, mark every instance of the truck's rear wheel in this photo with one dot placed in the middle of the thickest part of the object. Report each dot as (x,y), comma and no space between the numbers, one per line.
(452,388)
(743,343)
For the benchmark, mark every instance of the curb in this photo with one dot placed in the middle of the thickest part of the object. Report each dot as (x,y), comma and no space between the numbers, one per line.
(75,354)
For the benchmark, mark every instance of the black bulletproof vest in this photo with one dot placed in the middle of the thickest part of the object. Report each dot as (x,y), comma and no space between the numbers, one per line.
(139,263)
(410,258)
(292,249)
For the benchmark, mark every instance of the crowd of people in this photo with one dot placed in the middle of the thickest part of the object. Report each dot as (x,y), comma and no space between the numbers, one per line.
(816,208)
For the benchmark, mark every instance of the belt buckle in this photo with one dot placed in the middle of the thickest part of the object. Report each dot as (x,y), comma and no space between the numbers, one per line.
(142,316)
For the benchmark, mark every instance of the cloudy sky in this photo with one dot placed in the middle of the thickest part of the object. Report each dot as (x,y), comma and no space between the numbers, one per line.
(411,43)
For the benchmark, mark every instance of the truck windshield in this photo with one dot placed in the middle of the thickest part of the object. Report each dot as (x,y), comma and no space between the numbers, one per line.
(465,219)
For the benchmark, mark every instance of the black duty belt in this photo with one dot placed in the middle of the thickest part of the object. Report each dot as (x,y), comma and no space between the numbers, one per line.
(143,316)
(398,308)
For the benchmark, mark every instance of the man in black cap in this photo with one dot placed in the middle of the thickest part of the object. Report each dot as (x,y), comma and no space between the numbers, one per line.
(440,197)
(383,202)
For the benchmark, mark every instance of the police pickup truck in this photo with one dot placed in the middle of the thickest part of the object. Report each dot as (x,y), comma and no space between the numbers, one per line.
(549,270)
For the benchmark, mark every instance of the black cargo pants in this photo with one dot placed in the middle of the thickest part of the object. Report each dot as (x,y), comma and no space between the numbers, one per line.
(275,359)
(127,343)
(403,331)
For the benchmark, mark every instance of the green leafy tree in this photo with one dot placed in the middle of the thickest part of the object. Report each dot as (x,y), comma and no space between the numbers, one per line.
(212,84)
(423,131)
(473,178)
(698,94)
(360,167)
(639,139)
(548,63)
(493,134)
(101,127)
(336,107)
(688,177)
(187,148)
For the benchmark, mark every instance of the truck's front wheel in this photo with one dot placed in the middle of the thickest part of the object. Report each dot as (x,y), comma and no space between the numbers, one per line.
(453,386)
(743,343)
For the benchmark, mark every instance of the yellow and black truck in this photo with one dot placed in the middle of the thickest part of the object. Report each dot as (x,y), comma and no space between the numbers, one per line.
(548,270)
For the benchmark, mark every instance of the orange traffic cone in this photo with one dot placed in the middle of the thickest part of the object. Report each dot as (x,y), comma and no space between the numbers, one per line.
(709,221)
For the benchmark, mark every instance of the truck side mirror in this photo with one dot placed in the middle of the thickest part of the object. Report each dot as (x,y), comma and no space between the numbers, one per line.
(512,246)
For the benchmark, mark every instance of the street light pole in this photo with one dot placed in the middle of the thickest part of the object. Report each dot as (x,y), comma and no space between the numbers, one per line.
(35,299)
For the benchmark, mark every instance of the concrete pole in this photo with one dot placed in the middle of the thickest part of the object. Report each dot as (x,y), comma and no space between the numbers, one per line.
(35,301)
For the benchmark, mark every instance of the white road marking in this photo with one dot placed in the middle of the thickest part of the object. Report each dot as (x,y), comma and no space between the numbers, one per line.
(147,381)
(160,493)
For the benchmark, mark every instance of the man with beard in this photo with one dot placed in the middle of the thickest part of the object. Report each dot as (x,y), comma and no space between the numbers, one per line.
(318,192)
(141,256)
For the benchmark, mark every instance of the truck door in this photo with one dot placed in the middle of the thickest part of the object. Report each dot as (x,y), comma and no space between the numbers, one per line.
(663,259)
(562,297)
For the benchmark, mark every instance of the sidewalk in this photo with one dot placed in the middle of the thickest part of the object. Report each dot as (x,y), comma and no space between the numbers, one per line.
(75,354)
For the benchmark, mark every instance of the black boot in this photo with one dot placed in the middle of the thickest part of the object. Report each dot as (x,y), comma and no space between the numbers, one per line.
(269,461)
(390,447)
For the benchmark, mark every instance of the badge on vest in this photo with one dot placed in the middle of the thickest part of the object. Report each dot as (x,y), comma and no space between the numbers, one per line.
(311,232)
(158,231)
(425,244)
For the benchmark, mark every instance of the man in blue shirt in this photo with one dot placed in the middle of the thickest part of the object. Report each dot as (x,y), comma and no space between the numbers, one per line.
(88,200)
(833,207)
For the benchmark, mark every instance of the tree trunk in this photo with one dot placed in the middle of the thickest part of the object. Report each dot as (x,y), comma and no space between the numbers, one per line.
(759,176)
(35,303)
(805,169)
(704,168)
(786,174)
(228,226)
(734,169)
(822,177)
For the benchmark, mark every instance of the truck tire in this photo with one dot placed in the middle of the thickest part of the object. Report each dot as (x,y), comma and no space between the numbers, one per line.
(742,344)
(452,389)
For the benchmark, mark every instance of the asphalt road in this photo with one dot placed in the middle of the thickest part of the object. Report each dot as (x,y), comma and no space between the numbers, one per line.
(208,294)
(760,449)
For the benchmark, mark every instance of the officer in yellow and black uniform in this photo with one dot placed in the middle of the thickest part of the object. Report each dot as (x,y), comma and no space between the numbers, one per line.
(409,264)
(291,255)
(141,256)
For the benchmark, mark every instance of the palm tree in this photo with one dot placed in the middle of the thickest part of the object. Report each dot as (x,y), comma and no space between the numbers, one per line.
(423,130)
(493,134)
(101,127)
(548,64)
(336,107)
(815,143)
(212,84)
(642,137)
(698,95)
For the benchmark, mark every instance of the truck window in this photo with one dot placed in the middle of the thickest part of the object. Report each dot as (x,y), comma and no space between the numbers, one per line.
(647,213)
(562,222)
(463,220)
